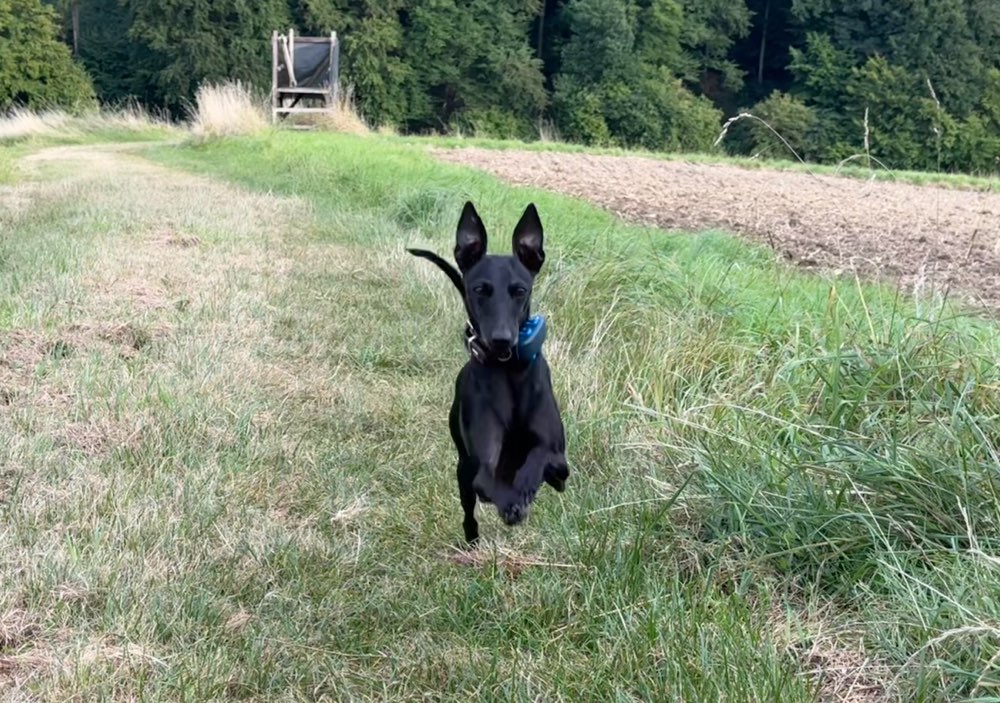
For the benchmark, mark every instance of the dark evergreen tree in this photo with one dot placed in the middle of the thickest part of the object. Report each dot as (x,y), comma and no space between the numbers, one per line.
(36,69)
(944,41)
(619,82)
(194,41)
(470,64)
(711,28)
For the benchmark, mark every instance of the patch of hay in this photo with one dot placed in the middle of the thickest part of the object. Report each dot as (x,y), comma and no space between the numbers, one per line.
(834,659)
(238,621)
(17,628)
(225,110)
(509,561)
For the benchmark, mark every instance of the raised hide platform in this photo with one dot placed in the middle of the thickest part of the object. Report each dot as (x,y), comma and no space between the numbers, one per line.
(305,74)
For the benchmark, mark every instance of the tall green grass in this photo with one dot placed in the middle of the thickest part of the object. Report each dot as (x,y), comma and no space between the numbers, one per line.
(825,438)
(782,487)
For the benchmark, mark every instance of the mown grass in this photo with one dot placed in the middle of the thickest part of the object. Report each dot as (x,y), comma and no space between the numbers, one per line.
(783,486)
(8,168)
(849,170)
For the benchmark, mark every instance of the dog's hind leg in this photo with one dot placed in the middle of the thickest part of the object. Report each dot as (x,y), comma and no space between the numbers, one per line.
(467,468)
(465,472)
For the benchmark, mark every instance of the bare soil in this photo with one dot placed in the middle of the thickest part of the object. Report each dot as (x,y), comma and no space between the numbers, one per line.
(928,238)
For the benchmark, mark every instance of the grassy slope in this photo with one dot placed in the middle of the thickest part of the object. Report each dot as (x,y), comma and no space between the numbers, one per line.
(771,472)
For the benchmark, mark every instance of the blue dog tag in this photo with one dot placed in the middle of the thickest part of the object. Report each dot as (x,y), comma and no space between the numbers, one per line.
(530,338)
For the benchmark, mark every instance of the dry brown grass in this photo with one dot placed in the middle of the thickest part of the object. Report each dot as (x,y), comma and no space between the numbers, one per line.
(510,561)
(227,110)
(833,657)
(346,117)
(24,124)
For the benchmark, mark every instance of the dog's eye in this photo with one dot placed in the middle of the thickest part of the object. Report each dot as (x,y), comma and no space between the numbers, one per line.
(482,289)
(519,291)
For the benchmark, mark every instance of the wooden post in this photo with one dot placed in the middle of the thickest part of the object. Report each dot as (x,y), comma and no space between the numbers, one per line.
(291,56)
(274,77)
(334,70)
(287,53)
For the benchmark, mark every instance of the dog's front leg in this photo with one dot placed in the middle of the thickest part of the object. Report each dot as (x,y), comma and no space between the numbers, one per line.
(486,444)
(527,481)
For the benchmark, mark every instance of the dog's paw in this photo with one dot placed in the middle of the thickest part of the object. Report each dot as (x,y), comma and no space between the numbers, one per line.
(471,528)
(556,475)
(558,484)
(511,504)
(513,513)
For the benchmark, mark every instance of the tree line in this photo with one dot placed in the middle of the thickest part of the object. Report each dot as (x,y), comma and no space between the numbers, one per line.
(913,83)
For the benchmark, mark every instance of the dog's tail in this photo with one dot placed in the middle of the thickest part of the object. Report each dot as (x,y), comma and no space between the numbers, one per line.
(449,270)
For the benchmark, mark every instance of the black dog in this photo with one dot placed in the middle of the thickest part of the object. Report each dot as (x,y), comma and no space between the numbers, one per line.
(504,419)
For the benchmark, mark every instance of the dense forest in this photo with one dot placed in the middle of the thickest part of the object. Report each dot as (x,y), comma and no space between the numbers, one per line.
(915,83)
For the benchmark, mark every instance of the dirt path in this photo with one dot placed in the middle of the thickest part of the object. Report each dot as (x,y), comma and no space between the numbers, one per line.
(924,236)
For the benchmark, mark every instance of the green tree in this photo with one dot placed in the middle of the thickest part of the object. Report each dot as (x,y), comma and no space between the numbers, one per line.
(599,50)
(375,67)
(105,50)
(659,30)
(822,73)
(190,42)
(470,63)
(711,28)
(118,66)
(619,83)
(906,128)
(602,41)
(36,69)
(948,42)
(781,114)
(322,16)
(372,62)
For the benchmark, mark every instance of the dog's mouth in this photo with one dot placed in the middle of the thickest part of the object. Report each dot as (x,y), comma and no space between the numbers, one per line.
(503,351)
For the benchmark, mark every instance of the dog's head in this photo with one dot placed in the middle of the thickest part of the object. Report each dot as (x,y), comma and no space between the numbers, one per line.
(498,288)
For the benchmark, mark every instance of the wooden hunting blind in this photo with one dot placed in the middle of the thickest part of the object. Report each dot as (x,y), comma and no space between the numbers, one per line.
(304,70)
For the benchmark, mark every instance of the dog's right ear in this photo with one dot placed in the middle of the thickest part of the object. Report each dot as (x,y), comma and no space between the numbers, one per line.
(470,240)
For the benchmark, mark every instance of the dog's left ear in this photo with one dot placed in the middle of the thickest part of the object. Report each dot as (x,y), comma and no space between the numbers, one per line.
(528,240)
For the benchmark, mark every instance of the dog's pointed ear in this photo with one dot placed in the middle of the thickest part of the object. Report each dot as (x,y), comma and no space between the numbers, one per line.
(470,239)
(528,240)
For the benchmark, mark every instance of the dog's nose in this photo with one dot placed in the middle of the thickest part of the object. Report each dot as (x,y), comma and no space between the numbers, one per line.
(501,343)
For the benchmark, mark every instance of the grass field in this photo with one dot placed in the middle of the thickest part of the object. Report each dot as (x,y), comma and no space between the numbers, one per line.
(227,474)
